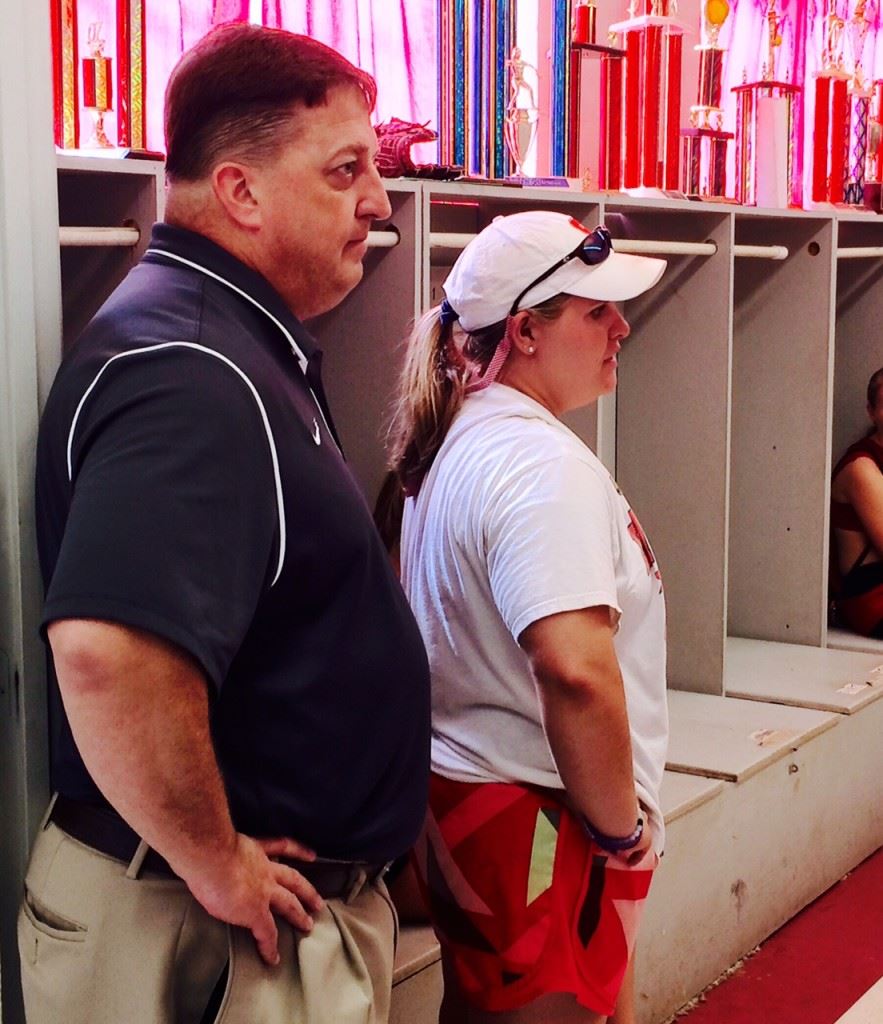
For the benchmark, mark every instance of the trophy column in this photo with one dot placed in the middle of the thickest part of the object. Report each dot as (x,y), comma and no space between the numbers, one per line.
(830,141)
(872,188)
(705,142)
(653,48)
(610,113)
(860,94)
(766,133)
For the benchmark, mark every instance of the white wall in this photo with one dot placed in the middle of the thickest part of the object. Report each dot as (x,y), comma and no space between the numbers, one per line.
(30,323)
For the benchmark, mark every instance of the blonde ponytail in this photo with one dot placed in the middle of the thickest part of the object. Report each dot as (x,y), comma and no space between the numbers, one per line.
(433,385)
(431,390)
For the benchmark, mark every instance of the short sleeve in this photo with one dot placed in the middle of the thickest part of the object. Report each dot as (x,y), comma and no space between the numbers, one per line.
(550,543)
(173,519)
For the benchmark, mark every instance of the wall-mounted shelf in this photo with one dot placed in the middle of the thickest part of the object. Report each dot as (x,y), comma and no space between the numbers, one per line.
(106,207)
(743,380)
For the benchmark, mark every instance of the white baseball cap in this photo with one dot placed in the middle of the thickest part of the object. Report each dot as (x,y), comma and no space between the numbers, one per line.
(503,260)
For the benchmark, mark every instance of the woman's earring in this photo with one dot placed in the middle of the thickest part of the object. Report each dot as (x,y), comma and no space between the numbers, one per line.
(531,349)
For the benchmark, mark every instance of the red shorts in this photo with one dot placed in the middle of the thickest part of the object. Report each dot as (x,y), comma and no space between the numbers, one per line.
(524,904)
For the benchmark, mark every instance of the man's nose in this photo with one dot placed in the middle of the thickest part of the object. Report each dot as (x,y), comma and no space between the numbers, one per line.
(375,203)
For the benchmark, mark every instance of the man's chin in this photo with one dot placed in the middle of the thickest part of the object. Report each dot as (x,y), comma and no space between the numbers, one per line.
(333,294)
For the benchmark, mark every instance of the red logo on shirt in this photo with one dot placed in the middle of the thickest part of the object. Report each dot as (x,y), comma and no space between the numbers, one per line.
(636,532)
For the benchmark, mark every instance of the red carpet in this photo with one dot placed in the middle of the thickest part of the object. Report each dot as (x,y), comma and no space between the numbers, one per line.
(815,967)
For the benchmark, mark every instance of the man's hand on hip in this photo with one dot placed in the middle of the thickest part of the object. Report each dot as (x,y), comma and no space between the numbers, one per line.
(247,887)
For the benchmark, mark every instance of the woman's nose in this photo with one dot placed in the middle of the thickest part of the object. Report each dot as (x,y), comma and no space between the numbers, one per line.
(620,329)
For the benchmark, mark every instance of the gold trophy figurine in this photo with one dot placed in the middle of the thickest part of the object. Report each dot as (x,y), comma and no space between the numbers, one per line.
(832,52)
(520,123)
(97,86)
(857,31)
(774,41)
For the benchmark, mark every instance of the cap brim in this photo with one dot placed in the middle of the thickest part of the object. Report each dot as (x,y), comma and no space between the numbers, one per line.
(620,277)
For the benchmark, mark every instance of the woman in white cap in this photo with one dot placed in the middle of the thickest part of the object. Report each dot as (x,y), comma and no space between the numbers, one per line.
(541,606)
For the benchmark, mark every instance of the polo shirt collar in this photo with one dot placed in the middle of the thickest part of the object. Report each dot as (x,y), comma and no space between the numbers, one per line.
(207,257)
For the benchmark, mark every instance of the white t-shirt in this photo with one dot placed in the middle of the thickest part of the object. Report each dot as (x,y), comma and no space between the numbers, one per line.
(517,520)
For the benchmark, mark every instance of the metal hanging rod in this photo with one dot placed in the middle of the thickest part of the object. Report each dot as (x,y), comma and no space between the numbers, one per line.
(123,236)
(449,239)
(387,239)
(662,248)
(82,237)
(458,240)
(863,252)
(96,236)
(761,252)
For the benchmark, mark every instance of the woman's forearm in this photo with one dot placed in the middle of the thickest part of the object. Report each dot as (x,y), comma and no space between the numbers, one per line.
(584,714)
(587,728)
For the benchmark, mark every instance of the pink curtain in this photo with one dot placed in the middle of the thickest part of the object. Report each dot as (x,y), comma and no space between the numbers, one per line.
(173,26)
(394,40)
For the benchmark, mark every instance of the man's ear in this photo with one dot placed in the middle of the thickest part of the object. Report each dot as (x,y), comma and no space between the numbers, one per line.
(232,184)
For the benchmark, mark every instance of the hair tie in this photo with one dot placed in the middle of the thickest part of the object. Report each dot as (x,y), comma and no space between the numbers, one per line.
(447,314)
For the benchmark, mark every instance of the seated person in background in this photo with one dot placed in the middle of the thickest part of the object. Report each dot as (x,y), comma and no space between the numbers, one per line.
(857,526)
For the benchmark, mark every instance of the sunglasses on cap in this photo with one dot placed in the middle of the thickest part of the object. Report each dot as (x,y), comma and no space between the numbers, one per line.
(592,250)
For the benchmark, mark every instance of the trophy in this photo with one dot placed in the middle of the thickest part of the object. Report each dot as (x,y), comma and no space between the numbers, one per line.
(861,94)
(97,87)
(767,135)
(705,143)
(84,89)
(872,191)
(585,19)
(652,96)
(474,42)
(831,119)
(520,122)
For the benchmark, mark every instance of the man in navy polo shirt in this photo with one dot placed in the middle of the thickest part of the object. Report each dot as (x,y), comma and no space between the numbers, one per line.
(240,725)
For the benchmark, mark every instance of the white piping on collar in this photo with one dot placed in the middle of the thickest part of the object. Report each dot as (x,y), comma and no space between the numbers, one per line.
(302,359)
(277,477)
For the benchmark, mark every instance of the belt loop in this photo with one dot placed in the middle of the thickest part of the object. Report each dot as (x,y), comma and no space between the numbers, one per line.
(47,817)
(135,864)
(359,881)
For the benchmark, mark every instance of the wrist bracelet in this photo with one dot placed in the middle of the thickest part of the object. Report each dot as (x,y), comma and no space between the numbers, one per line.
(613,844)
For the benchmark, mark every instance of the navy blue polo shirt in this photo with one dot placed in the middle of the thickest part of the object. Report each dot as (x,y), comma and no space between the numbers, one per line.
(189,483)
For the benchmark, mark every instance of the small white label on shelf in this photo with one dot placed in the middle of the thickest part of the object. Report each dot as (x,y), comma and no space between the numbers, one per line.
(851,689)
(771,737)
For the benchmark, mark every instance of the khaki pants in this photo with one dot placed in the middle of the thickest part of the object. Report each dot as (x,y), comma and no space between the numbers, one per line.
(99,946)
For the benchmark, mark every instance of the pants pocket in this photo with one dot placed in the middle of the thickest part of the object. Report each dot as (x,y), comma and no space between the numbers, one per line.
(49,922)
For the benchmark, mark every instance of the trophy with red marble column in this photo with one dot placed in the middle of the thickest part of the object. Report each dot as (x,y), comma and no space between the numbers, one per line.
(767,134)
(653,48)
(705,142)
(97,86)
(585,19)
(830,140)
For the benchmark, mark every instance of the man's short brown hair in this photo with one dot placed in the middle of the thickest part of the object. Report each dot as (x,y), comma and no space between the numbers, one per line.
(234,93)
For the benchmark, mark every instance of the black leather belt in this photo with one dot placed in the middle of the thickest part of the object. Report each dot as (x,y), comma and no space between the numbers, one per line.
(104,831)
(339,879)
